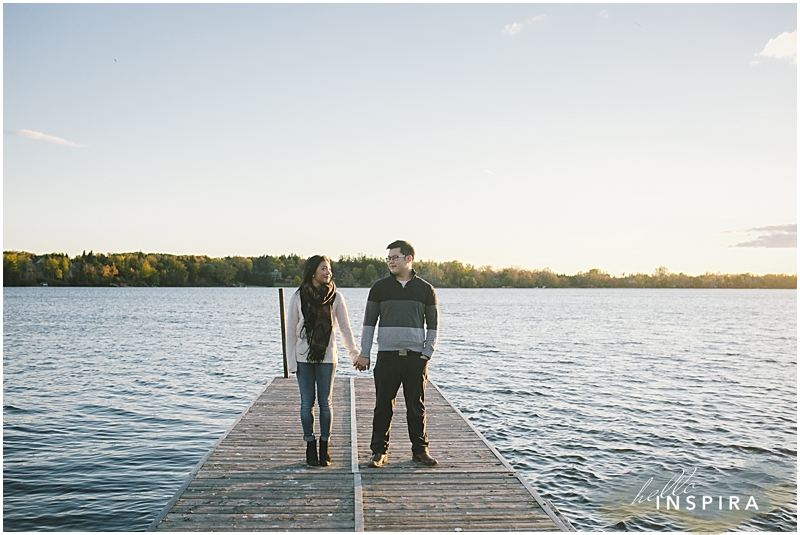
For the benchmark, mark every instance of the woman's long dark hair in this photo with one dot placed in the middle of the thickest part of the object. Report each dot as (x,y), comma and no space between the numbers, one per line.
(311,268)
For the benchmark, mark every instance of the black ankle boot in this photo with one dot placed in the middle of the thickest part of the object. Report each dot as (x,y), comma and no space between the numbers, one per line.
(311,453)
(324,453)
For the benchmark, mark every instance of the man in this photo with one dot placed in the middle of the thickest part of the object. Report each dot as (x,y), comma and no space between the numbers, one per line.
(408,312)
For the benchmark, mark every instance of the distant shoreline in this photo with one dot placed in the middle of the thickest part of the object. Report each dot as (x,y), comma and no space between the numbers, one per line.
(163,270)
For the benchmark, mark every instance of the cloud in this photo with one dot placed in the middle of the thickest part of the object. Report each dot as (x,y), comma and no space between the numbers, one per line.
(792,227)
(782,47)
(44,137)
(605,14)
(774,236)
(512,29)
(516,27)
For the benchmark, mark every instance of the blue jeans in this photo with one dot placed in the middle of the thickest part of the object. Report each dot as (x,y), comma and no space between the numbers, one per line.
(307,376)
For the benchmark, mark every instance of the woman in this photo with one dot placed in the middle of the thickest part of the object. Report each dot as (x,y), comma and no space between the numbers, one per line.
(315,309)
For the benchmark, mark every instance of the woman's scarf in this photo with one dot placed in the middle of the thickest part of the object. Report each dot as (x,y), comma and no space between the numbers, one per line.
(316,305)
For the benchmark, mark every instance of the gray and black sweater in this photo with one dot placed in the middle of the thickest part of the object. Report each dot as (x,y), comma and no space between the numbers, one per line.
(404,313)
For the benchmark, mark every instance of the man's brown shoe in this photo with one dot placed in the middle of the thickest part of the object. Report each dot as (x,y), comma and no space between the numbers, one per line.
(425,458)
(377,460)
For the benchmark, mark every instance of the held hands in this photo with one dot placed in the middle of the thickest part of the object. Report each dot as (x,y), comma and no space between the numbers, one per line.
(361,363)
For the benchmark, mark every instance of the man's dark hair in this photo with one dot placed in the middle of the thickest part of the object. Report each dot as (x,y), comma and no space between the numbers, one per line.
(405,247)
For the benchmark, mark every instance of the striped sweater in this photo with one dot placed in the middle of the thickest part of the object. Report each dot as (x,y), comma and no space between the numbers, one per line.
(405,313)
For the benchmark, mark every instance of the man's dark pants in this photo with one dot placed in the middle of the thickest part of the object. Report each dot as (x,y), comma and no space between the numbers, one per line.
(392,370)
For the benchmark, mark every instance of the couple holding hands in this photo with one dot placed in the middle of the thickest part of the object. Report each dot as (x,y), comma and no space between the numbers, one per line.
(407,308)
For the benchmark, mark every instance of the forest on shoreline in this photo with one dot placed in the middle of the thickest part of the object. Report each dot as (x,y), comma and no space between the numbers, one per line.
(165,270)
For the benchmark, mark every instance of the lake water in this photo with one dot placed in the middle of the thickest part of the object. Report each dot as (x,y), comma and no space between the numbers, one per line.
(112,395)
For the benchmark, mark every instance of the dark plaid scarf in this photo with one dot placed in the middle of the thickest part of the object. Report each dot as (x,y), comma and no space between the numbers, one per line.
(316,304)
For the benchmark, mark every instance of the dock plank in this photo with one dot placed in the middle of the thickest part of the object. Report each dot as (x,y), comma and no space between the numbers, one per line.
(409,497)
(256,479)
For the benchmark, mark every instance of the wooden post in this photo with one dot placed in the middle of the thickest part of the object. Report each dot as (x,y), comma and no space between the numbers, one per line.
(283,334)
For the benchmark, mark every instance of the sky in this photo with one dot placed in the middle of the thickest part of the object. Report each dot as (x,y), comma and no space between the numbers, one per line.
(621,137)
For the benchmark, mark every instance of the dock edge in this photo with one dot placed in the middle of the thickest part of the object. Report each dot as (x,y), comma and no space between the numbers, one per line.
(546,505)
(166,509)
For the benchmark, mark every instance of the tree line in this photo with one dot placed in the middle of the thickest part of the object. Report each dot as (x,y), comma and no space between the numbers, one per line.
(154,269)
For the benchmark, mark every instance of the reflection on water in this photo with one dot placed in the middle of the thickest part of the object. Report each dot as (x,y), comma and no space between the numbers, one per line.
(112,395)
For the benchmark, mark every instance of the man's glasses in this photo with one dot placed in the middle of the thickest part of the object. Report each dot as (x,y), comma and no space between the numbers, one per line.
(395,257)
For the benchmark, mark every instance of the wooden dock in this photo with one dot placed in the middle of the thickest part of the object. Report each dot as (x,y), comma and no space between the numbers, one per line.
(255,477)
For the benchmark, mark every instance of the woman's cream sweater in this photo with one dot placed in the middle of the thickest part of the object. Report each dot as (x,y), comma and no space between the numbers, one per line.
(297,348)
